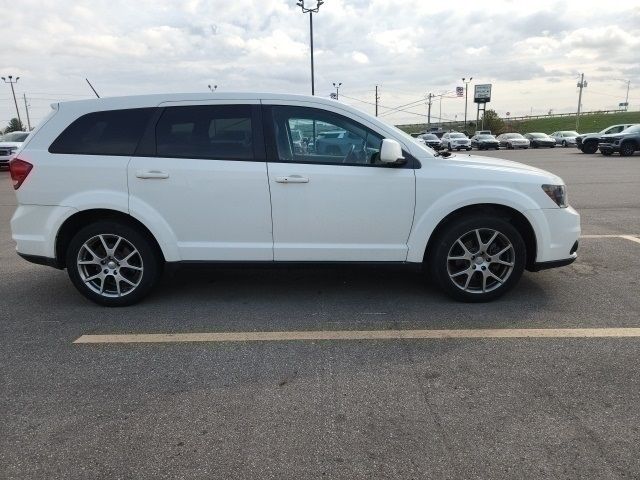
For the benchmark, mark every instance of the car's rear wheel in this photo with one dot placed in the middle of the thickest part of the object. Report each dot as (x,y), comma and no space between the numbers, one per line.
(564,143)
(627,149)
(590,147)
(112,263)
(477,259)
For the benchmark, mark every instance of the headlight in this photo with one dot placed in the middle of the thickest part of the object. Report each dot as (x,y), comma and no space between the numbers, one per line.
(557,193)
(12,150)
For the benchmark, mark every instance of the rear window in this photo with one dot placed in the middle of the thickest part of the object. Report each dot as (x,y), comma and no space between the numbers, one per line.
(221,132)
(111,132)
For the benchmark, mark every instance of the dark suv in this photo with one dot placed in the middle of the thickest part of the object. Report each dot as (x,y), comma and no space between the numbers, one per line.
(625,142)
(588,143)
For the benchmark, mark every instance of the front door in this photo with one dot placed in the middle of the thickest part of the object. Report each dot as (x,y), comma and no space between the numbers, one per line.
(332,200)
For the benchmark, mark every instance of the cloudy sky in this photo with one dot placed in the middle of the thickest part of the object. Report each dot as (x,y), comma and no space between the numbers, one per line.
(532,52)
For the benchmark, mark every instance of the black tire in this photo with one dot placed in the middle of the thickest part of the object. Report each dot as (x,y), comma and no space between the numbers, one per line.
(552,146)
(627,149)
(564,143)
(438,265)
(509,146)
(534,145)
(146,279)
(590,147)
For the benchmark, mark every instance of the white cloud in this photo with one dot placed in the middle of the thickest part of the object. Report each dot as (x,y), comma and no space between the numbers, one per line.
(359,57)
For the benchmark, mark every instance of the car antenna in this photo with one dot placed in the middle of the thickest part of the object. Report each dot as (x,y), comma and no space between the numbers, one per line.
(94,90)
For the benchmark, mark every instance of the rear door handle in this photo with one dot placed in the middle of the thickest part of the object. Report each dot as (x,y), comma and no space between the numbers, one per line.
(292,179)
(151,174)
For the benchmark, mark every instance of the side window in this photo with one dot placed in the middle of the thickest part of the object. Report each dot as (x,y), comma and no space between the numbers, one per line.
(110,132)
(311,135)
(217,132)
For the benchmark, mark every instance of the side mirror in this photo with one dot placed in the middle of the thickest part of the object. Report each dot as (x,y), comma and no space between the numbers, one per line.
(390,151)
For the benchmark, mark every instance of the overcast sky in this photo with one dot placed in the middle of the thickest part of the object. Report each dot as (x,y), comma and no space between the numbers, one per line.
(532,52)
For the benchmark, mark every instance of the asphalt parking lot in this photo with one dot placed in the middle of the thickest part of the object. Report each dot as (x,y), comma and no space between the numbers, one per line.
(383,408)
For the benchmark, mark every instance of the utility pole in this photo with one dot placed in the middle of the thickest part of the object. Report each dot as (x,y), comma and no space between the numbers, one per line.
(377,98)
(581,84)
(429,97)
(626,100)
(337,87)
(440,114)
(12,81)
(26,107)
(311,11)
(466,97)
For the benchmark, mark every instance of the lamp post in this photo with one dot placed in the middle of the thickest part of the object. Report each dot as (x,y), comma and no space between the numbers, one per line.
(466,96)
(311,11)
(214,88)
(337,87)
(12,81)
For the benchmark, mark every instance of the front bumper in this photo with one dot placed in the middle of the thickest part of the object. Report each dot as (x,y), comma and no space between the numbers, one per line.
(557,233)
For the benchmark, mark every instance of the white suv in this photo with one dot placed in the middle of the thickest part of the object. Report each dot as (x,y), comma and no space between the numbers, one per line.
(113,189)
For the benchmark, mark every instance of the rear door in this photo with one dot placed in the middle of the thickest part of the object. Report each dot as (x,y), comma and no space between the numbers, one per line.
(331,199)
(201,169)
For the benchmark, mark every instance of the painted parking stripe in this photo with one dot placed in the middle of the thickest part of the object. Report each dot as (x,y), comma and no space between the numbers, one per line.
(633,238)
(360,335)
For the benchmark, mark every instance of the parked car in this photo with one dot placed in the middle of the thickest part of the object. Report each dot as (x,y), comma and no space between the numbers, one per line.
(431,140)
(115,189)
(456,141)
(9,144)
(566,138)
(485,142)
(588,143)
(538,139)
(513,140)
(625,143)
(483,132)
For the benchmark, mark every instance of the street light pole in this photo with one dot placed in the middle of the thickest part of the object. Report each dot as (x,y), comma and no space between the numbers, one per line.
(311,11)
(581,84)
(466,98)
(337,87)
(214,88)
(12,81)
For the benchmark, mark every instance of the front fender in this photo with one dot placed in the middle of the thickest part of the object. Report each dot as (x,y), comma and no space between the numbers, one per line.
(429,215)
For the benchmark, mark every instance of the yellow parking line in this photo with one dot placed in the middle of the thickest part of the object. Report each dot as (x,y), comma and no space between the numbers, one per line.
(360,335)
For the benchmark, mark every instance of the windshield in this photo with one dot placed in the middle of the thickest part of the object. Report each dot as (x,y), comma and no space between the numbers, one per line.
(485,137)
(15,137)
(570,134)
(634,129)
(429,136)
(538,135)
(513,135)
(457,135)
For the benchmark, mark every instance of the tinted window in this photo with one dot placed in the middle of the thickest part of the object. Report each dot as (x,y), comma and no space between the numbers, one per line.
(326,137)
(221,132)
(112,132)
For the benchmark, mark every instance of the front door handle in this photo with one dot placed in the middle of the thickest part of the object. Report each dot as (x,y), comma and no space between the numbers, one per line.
(292,179)
(151,174)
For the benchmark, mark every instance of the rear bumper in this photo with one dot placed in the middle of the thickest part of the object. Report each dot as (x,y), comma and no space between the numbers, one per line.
(34,228)
(38,260)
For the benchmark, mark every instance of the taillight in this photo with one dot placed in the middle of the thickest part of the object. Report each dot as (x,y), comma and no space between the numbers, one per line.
(19,170)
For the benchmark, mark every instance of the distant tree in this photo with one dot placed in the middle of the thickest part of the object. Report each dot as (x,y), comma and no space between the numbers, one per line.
(493,122)
(15,125)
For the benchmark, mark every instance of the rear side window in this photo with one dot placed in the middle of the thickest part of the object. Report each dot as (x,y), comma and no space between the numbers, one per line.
(111,132)
(218,132)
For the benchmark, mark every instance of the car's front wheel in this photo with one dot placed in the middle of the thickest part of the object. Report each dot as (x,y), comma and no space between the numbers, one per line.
(564,143)
(590,147)
(477,259)
(627,149)
(112,263)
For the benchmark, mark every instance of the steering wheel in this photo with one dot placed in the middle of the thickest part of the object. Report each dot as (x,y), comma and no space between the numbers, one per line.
(356,156)
(350,153)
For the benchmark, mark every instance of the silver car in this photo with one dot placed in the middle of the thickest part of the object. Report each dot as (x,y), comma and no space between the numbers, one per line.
(513,140)
(566,138)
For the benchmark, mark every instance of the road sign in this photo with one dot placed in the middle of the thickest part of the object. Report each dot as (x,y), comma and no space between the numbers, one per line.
(459,91)
(482,93)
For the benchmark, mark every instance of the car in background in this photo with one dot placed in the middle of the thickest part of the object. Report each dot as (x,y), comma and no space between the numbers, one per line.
(588,143)
(539,139)
(337,142)
(431,140)
(456,141)
(485,142)
(482,132)
(625,143)
(9,145)
(513,140)
(566,138)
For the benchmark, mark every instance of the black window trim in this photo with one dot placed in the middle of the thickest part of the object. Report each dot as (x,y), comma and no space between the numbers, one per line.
(272,152)
(149,147)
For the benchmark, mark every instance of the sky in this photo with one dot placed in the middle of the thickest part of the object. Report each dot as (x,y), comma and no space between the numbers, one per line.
(531,52)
